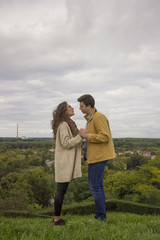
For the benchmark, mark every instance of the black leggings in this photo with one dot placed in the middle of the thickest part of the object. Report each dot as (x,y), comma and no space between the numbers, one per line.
(59,196)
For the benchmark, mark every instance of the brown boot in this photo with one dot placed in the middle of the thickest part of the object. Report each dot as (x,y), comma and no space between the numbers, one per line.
(61,222)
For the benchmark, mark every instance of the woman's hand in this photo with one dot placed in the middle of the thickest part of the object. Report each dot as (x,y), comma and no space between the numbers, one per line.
(83,133)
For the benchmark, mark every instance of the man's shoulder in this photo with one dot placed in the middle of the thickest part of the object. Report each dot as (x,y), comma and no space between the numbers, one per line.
(99,115)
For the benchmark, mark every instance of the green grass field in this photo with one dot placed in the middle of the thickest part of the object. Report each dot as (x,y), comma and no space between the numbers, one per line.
(119,226)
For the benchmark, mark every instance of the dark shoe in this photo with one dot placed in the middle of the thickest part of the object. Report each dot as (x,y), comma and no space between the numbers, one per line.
(61,222)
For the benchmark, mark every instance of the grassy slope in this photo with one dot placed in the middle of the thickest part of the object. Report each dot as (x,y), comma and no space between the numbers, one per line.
(119,226)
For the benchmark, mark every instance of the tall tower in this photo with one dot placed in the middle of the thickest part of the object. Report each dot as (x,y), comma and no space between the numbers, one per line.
(17,130)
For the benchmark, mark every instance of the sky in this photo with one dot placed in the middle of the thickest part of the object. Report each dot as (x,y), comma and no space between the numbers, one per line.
(57,50)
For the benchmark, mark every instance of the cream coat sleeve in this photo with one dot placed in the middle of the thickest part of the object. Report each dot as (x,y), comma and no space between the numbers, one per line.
(67,141)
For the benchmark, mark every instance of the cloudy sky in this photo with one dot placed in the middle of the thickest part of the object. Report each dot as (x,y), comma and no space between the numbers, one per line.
(56,50)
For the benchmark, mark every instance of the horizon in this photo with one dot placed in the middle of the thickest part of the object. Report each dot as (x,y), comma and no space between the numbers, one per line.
(21,138)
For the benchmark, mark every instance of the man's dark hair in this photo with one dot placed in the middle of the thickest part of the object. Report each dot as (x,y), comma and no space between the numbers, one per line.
(87,100)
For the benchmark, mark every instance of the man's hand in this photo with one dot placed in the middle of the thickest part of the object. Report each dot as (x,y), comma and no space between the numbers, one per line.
(83,133)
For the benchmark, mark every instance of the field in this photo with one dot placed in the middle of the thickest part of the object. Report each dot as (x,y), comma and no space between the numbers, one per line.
(119,226)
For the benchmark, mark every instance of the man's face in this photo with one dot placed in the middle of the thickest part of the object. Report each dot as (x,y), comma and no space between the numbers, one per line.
(84,109)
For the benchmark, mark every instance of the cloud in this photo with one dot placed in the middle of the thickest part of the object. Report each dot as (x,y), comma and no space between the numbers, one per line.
(55,51)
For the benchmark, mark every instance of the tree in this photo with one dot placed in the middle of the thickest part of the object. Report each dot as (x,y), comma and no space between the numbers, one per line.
(135,160)
(14,193)
(39,182)
(156,161)
(34,160)
(120,184)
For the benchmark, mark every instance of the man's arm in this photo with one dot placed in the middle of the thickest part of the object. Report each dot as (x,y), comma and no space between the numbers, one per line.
(102,134)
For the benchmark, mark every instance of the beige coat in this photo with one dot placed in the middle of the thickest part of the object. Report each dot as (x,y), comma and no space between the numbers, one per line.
(67,154)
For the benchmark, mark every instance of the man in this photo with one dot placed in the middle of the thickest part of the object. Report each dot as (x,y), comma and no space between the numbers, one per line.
(100,150)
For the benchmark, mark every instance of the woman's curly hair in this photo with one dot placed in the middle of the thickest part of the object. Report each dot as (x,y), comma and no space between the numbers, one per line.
(60,115)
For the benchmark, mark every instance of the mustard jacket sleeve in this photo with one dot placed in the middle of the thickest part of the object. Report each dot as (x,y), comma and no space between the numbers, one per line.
(67,141)
(102,130)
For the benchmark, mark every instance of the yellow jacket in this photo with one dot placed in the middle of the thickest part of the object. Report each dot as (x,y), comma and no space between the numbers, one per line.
(99,141)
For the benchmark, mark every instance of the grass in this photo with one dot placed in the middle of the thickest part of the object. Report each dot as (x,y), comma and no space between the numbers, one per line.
(119,226)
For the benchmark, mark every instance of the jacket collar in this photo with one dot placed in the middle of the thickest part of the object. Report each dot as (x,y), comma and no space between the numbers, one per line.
(88,117)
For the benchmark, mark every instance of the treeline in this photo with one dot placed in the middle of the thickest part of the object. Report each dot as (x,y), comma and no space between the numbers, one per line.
(136,143)
(125,143)
(27,183)
(13,143)
(121,144)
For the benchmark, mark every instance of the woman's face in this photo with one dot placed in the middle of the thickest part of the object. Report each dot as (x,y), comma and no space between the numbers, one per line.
(70,110)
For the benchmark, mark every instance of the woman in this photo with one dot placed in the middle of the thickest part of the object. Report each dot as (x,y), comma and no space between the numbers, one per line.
(67,154)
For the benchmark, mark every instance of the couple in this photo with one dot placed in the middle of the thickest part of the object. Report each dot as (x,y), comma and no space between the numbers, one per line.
(98,148)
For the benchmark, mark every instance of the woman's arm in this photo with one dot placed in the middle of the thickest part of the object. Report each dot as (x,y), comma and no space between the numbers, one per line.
(66,140)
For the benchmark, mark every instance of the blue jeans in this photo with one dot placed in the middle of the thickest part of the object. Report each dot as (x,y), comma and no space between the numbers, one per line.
(95,183)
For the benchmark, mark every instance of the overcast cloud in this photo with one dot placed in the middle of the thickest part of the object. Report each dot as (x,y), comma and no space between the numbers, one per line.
(56,50)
